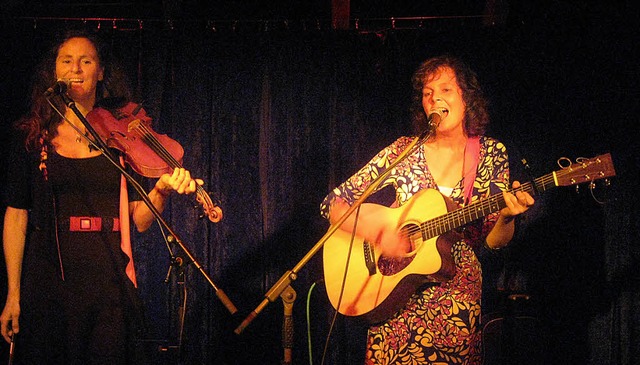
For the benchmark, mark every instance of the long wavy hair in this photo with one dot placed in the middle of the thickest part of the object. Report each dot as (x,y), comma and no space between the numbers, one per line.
(42,120)
(476,116)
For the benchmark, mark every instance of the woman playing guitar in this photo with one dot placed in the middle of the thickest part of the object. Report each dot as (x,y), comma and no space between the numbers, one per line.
(456,165)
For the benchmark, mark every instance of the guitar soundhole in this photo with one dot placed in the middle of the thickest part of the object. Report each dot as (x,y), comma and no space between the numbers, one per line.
(391,265)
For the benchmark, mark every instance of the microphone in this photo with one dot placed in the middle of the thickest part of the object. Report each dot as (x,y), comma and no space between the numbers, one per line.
(60,87)
(435,117)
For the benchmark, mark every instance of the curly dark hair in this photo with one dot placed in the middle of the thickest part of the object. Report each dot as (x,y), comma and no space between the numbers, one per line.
(476,116)
(41,118)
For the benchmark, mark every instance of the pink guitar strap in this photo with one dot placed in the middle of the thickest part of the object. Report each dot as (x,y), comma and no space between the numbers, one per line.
(471,158)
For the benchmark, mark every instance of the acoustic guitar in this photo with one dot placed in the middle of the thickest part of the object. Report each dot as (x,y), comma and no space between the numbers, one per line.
(374,286)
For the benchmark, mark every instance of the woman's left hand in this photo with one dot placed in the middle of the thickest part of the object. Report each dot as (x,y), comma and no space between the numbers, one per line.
(179,181)
(517,203)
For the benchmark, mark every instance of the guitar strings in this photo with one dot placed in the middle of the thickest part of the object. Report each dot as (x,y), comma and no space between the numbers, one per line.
(446,222)
(454,219)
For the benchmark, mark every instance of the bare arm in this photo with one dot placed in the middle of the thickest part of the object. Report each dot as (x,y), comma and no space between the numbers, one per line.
(375,225)
(180,181)
(371,218)
(504,228)
(14,235)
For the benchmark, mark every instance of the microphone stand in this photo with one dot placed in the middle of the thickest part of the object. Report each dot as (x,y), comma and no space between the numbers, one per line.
(101,146)
(290,275)
(176,266)
(288,298)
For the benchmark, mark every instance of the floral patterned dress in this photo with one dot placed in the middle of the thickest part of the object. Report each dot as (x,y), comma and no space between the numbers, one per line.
(439,324)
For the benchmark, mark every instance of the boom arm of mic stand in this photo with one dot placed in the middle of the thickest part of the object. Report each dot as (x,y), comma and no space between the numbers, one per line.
(292,274)
(104,149)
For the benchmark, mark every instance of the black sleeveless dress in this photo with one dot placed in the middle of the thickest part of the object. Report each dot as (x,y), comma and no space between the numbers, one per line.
(76,298)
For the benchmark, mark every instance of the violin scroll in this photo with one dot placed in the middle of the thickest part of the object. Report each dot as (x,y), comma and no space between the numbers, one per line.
(211,210)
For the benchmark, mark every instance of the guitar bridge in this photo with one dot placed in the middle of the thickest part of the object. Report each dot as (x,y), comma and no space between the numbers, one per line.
(369,258)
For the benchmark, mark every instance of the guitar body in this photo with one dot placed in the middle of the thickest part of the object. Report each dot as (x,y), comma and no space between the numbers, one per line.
(374,287)
(377,292)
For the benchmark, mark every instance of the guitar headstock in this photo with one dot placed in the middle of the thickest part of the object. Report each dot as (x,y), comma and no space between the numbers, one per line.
(585,170)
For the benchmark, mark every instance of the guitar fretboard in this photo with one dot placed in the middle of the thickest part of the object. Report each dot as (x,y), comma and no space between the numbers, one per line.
(459,217)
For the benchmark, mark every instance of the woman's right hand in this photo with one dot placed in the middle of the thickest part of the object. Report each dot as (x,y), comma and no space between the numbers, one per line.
(14,234)
(376,225)
(392,242)
(9,319)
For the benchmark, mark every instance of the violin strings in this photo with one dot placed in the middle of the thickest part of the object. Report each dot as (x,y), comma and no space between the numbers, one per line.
(202,196)
(157,147)
(155,144)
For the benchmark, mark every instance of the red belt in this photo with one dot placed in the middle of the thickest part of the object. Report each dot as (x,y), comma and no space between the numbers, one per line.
(93,224)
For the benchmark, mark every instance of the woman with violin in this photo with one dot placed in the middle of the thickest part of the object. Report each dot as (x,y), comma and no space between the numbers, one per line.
(71,285)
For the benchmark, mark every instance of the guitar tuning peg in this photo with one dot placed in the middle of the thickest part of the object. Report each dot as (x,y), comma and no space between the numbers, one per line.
(607,182)
(577,189)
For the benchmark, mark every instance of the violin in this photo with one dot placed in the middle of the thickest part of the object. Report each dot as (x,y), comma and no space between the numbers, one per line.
(150,154)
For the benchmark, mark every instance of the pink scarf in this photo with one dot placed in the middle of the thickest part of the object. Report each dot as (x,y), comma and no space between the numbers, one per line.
(125,233)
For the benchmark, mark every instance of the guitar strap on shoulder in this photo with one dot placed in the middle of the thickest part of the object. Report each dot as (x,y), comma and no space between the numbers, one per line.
(471,158)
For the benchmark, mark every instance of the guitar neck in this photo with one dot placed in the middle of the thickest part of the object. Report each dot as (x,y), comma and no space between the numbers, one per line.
(459,217)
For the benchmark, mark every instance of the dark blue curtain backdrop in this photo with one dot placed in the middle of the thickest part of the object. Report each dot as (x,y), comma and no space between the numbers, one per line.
(272,119)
